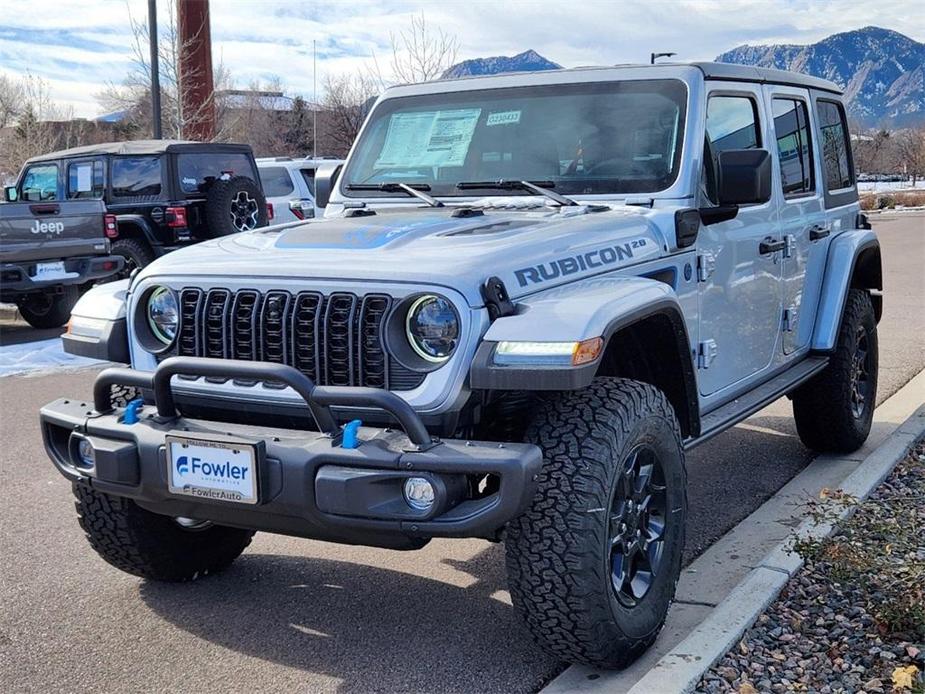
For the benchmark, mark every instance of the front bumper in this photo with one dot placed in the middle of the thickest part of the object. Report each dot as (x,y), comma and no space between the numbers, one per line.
(20,277)
(310,485)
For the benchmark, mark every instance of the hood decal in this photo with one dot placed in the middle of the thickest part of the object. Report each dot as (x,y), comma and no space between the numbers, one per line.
(366,236)
(598,258)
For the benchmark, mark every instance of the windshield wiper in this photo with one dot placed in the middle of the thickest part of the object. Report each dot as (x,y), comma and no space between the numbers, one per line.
(535,187)
(412,189)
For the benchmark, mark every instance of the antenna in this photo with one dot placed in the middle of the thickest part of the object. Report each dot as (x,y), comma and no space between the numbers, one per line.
(654,56)
(314,99)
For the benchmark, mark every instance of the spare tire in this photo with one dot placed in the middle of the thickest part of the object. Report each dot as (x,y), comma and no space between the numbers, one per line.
(235,204)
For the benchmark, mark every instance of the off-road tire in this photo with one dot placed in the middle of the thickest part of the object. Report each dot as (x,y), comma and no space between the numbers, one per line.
(219,205)
(558,552)
(137,254)
(120,395)
(153,546)
(822,407)
(49,312)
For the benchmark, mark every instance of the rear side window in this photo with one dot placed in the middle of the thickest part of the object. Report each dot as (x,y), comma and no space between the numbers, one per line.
(791,128)
(197,170)
(732,123)
(135,176)
(85,180)
(835,166)
(308,175)
(276,181)
(40,182)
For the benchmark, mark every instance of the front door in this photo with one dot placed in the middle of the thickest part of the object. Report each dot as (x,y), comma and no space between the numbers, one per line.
(804,228)
(740,299)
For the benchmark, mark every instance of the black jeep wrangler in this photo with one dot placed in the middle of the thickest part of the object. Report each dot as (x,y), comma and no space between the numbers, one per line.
(165,194)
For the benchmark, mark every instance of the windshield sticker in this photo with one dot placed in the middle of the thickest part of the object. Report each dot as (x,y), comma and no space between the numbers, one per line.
(503,118)
(428,138)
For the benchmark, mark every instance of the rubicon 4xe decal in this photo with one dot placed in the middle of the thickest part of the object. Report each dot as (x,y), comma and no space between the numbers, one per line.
(601,257)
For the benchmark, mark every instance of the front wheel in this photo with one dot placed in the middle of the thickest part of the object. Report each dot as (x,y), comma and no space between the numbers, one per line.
(153,546)
(835,409)
(594,562)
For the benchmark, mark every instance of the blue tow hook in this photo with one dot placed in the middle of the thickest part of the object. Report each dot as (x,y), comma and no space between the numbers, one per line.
(350,439)
(131,411)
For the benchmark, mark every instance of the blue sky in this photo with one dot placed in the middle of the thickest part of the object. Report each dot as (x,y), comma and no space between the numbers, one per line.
(77,46)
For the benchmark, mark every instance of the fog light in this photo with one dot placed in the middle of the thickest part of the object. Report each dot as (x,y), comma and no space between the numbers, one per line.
(419,493)
(85,452)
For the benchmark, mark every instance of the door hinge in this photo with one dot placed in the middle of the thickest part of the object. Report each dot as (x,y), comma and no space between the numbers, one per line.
(706,353)
(790,320)
(706,264)
(789,245)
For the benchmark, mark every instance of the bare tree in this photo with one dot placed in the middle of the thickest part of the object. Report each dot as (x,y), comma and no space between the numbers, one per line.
(909,151)
(35,125)
(10,100)
(263,117)
(347,99)
(133,94)
(420,53)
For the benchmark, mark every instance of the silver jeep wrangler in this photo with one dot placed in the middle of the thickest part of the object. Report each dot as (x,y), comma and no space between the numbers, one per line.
(529,296)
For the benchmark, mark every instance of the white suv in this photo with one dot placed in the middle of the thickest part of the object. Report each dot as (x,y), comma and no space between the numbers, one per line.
(289,185)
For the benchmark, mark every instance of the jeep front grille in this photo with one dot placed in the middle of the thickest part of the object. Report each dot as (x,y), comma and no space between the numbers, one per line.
(335,339)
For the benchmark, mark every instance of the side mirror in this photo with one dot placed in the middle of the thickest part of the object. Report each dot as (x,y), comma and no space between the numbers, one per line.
(10,194)
(325,180)
(744,177)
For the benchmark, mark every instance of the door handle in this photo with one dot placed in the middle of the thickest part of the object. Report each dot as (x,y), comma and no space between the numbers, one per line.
(817,231)
(47,208)
(769,246)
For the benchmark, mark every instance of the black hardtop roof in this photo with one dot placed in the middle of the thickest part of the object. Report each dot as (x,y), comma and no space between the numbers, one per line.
(138,147)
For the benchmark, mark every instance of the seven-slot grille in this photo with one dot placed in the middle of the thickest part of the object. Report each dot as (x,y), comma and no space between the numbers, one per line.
(335,339)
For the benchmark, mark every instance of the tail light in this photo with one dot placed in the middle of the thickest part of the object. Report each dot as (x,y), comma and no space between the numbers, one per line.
(270,211)
(176,217)
(302,209)
(110,226)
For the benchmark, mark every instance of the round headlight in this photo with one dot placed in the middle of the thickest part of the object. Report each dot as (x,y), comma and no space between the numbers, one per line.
(433,328)
(163,314)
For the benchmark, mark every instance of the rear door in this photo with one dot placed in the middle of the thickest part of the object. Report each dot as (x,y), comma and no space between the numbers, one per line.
(739,287)
(838,180)
(803,226)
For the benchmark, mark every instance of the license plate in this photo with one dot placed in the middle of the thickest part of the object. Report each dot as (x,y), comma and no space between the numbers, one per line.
(47,271)
(216,470)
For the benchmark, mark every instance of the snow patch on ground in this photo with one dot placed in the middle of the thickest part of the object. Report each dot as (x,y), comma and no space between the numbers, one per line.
(43,356)
(888,186)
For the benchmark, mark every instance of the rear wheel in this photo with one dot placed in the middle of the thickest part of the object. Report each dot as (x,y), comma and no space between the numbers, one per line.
(48,310)
(137,254)
(593,563)
(234,204)
(154,546)
(835,409)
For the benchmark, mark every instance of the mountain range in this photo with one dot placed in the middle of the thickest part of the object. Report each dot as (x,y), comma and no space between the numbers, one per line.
(528,61)
(881,71)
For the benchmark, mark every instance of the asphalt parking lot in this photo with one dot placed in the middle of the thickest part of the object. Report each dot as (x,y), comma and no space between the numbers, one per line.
(301,615)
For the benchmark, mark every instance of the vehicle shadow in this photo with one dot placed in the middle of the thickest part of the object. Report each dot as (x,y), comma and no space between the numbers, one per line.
(19,332)
(372,628)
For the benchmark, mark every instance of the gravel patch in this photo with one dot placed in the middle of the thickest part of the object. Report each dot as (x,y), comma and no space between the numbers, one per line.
(853,618)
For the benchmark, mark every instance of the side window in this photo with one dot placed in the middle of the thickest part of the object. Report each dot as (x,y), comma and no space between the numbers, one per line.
(732,123)
(791,128)
(39,183)
(135,176)
(835,145)
(276,181)
(308,175)
(85,180)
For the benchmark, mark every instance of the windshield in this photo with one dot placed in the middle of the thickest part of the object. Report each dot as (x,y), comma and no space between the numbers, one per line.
(596,138)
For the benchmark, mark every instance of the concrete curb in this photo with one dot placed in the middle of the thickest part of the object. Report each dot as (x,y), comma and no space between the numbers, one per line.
(681,668)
